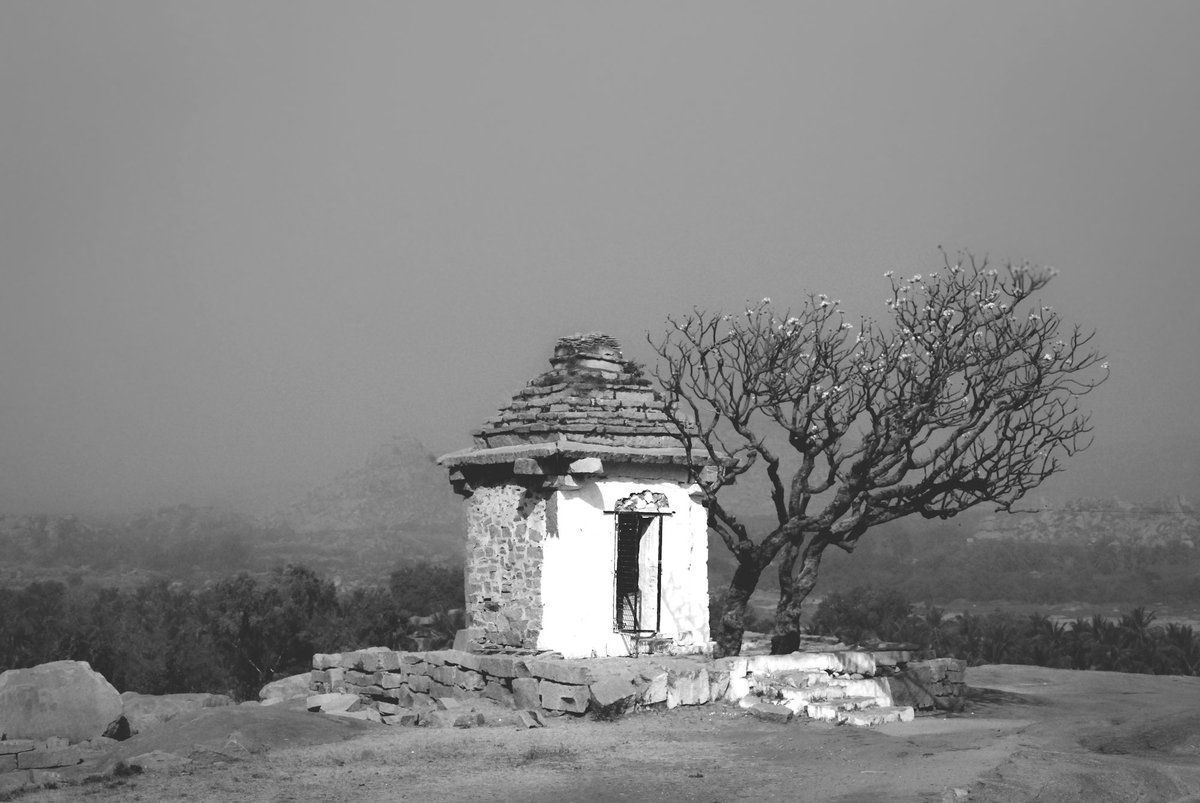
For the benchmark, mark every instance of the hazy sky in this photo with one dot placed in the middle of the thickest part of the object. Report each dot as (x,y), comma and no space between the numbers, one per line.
(243,243)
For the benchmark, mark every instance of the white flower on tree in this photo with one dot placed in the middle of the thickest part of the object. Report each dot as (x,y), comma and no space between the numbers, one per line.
(930,412)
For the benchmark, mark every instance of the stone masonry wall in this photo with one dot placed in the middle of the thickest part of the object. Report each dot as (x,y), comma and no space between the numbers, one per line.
(506,526)
(404,687)
(842,686)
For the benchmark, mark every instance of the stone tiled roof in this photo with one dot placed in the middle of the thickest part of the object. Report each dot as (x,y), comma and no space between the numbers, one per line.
(590,395)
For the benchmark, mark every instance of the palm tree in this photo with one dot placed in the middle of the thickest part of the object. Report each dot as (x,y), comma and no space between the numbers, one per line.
(1106,646)
(1135,626)
(1080,640)
(1045,639)
(1186,648)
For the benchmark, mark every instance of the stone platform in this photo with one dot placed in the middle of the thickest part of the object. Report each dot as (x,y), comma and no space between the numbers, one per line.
(843,686)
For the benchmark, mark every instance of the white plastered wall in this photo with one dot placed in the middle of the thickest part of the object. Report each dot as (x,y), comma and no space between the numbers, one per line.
(578,564)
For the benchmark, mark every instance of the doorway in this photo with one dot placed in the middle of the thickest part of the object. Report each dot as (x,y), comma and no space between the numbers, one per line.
(638,573)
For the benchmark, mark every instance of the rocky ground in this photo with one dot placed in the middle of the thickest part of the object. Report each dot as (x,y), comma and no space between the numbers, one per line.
(1028,733)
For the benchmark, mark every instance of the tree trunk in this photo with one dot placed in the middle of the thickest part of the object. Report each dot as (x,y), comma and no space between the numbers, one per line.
(733,620)
(794,587)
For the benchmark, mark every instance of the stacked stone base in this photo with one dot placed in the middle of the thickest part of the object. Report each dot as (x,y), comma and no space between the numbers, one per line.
(395,686)
(843,686)
(938,684)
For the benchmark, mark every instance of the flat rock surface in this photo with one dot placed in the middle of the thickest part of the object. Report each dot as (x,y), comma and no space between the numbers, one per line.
(1028,733)
(145,712)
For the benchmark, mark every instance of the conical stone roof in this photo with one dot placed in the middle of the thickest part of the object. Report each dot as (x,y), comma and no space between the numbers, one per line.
(591,394)
(591,401)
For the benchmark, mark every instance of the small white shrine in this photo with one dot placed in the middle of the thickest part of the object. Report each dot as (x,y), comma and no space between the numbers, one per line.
(584,533)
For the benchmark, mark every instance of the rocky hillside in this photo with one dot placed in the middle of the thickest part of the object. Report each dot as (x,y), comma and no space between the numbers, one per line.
(396,509)
(399,488)
(1100,522)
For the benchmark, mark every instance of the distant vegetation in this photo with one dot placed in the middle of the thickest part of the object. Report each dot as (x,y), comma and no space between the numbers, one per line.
(1130,643)
(231,636)
(1091,551)
(1096,551)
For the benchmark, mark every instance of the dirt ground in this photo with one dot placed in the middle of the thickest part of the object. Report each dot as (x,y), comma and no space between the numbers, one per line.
(1028,734)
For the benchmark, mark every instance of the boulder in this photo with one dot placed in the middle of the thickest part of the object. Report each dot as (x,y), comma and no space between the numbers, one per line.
(146,712)
(771,712)
(287,688)
(61,698)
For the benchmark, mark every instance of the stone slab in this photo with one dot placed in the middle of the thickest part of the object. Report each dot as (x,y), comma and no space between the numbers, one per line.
(14,746)
(771,712)
(688,687)
(561,671)
(45,759)
(326,660)
(334,701)
(870,717)
(500,692)
(504,666)
(654,687)
(563,697)
(365,714)
(611,691)
(526,693)
(467,660)
(389,680)
(469,679)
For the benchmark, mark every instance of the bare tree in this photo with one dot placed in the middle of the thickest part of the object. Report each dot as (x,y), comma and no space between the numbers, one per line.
(966,392)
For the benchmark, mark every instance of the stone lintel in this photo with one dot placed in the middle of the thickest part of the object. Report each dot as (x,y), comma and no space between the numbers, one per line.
(572,451)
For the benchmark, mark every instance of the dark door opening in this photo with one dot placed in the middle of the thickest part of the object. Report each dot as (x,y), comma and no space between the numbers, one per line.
(638,572)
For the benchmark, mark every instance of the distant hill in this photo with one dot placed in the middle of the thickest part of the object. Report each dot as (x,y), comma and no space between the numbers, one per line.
(1101,522)
(399,488)
(396,509)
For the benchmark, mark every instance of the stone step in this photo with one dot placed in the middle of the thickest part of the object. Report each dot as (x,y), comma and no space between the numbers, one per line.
(748,673)
(828,661)
(836,710)
(870,717)
(835,689)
